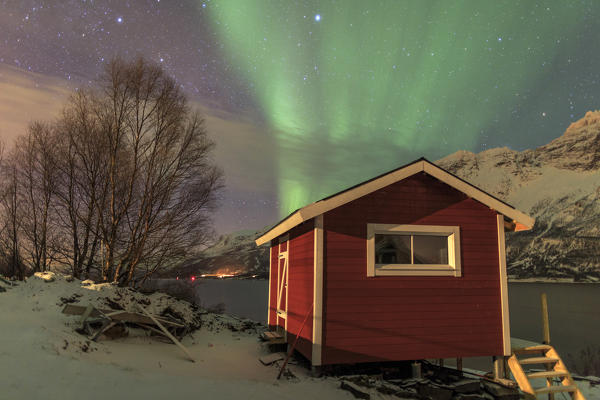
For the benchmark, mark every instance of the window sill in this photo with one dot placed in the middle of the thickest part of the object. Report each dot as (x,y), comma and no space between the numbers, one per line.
(414,270)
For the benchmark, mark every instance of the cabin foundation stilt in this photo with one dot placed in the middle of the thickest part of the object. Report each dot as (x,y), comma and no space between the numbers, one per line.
(499,371)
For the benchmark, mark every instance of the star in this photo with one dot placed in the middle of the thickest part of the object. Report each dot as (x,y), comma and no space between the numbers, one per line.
(120,20)
(317,17)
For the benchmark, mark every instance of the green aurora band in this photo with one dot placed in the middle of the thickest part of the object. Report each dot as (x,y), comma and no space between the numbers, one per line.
(401,77)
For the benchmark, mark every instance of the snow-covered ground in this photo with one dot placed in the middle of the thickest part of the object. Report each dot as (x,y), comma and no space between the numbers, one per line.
(42,357)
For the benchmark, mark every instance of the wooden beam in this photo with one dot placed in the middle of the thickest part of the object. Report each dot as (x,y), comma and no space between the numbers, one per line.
(509,226)
(567,380)
(270,283)
(545,321)
(520,376)
(525,221)
(124,316)
(86,314)
(168,334)
(503,277)
(317,334)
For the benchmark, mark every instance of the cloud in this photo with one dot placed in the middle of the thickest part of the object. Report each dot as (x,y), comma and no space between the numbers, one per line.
(245,149)
(26,97)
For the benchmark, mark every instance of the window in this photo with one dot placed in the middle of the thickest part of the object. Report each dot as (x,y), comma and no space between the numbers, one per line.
(413,250)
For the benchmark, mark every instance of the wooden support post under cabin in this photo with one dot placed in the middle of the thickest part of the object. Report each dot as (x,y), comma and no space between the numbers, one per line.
(499,372)
(545,322)
(441,362)
(316,371)
(459,364)
(546,338)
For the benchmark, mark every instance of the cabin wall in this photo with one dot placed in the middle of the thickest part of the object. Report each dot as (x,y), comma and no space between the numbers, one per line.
(410,317)
(300,286)
(272,312)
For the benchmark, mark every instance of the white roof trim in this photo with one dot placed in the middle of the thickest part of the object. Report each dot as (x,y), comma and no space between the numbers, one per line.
(523,221)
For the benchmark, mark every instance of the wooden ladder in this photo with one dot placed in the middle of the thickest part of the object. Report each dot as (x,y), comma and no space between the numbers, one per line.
(546,356)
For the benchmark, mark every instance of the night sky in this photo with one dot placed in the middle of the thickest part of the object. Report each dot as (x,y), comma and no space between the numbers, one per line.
(305,98)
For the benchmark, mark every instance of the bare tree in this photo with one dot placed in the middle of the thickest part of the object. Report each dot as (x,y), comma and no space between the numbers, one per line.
(149,177)
(12,219)
(80,189)
(34,161)
(121,185)
(161,182)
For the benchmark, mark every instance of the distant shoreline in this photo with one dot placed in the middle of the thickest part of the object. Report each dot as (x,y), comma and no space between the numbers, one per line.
(548,280)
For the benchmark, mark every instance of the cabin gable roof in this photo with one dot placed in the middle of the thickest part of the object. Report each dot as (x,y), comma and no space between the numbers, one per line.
(520,220)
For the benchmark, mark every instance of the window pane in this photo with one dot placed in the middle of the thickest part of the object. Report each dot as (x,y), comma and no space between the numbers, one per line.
(430,249)
(392,249)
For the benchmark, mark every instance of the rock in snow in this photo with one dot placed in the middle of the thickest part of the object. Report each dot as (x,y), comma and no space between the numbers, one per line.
(45,276)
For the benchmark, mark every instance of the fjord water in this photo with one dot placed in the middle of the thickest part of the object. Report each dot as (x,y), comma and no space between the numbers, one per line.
(247,298)
(574,308)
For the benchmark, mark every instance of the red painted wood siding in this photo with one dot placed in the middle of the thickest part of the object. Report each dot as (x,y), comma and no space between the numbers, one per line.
(410,317)
(300,286)
(272,312)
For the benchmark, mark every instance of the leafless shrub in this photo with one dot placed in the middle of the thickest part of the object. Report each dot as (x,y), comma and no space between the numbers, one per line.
(182,289)
(218,308)
(587,363)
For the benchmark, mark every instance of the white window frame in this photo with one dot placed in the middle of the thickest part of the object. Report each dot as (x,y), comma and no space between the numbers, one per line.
(453,268)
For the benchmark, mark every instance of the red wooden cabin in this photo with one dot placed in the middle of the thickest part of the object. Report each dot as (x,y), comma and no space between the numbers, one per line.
(409,265)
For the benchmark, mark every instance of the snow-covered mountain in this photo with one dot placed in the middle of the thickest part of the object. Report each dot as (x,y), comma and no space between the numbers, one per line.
(234,253)
(558,184)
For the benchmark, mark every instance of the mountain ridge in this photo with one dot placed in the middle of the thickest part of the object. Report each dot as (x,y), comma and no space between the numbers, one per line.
(557,183)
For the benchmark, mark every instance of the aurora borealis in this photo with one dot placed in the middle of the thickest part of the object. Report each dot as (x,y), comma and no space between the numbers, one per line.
(305,98)
(390,75)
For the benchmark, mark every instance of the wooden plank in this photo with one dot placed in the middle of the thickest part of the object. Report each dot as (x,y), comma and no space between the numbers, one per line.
(166,332)
(538,360)
(519,375)
(503,286)
(270,284)
(568,380)
(556,389)
(86,314)
(272,335)
(546,325)
(546,374)
(106,326)
(532,350)
(415,339)
(153,329)
(125,316)
(271,358)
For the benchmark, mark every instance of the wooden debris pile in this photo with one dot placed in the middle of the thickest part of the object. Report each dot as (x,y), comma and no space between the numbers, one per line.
(108,312)
(113,323)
